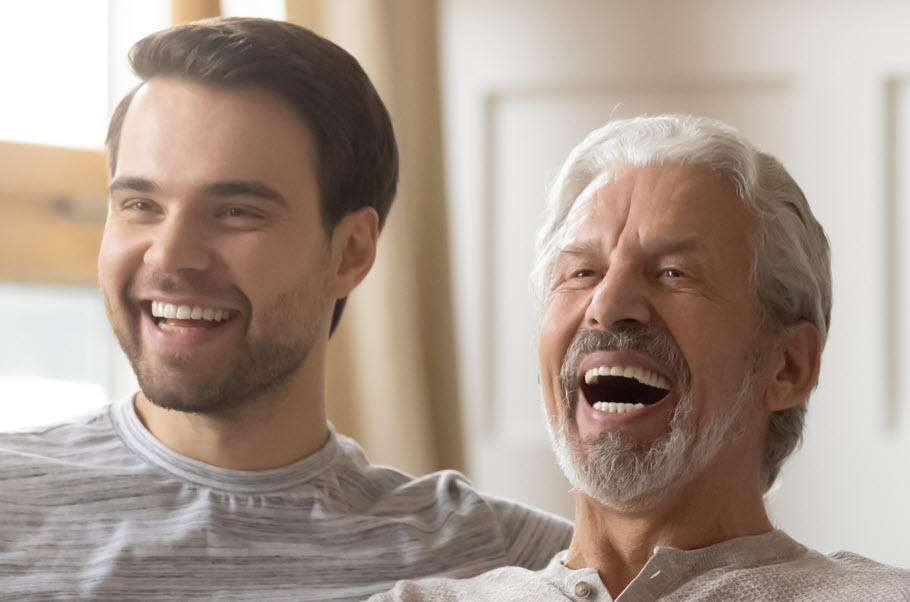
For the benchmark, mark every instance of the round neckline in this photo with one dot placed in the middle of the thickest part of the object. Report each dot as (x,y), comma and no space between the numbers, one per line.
(141,442)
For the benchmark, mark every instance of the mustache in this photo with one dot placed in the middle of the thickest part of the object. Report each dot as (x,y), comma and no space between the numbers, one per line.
(185,282)
(656,345)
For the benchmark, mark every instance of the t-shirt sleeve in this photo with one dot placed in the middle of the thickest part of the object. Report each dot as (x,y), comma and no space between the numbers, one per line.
(531,536)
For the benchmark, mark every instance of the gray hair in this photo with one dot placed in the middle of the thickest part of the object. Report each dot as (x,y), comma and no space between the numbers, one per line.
(791,262)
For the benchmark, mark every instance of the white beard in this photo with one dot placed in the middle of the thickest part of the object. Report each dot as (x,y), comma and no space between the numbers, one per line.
(623,473)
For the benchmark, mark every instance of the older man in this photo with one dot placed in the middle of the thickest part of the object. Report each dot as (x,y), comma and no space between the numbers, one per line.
(686,299)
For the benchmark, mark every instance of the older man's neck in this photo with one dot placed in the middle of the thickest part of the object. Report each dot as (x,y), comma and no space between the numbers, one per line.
(619,543)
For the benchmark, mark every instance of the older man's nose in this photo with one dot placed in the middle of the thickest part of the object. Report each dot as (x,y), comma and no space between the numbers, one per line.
(618,297)
(176,244)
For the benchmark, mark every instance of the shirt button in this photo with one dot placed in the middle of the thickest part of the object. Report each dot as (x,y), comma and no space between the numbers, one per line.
(582,589)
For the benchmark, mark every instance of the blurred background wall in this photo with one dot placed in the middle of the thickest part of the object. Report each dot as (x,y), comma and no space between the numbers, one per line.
(434,365)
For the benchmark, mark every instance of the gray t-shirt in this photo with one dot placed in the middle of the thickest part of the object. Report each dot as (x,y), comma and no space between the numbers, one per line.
(766,568)
(99,509)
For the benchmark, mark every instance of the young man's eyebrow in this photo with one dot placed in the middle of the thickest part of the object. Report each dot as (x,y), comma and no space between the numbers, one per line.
(245,188)
(132,183)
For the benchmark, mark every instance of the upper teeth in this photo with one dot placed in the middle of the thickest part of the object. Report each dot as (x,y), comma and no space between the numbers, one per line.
(188,312)
(642,375)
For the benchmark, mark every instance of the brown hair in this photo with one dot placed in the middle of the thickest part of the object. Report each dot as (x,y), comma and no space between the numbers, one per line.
(357,157)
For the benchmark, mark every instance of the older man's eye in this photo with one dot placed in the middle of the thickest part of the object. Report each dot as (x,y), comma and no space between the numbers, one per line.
(673,273)
(583,273)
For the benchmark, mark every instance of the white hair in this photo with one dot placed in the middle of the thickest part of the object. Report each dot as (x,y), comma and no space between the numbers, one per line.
(791,264)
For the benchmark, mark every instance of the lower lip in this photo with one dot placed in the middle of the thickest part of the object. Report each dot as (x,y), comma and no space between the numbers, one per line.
(591,421)
(187,338)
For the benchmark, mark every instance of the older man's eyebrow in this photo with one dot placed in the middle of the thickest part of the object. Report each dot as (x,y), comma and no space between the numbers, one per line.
(133,183)
(250,188)
(580,248)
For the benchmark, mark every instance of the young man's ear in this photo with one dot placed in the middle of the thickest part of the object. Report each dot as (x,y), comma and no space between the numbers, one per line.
(796,364)
(353,248)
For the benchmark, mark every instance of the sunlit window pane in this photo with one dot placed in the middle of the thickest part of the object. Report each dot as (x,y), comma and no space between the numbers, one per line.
(64,65)
(37,401)
(54,71)
(58,356)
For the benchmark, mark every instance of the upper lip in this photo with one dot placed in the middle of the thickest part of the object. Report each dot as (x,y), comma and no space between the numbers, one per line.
(195,303)
(192,302)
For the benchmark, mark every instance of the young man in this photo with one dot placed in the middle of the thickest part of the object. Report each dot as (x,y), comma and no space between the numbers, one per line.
(251,172)
(685,294)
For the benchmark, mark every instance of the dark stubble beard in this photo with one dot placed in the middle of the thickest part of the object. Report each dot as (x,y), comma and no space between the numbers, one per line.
(615,468)
(265,368)
(265,371)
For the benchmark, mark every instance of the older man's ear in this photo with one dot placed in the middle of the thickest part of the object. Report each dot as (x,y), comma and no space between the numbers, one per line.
(796,362)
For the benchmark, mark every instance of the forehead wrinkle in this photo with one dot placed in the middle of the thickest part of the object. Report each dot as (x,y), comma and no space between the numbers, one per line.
(580,248)
(599,198)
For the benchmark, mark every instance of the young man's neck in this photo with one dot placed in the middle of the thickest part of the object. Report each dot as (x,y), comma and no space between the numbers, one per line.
(265,434)
(619,543)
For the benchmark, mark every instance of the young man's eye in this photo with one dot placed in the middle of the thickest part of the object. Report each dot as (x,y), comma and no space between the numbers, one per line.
(140,206)
(240,212)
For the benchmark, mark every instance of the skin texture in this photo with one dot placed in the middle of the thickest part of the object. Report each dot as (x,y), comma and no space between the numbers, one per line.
(668,247)
(215,203)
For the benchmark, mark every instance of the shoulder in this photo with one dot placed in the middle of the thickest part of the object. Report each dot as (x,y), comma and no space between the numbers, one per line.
(447,511)
(866,575)
(448,492)
(59,440)
(36,462)
(532,536)
(500,585)
(528,536)
(814,576)
(385,488)
(436,496)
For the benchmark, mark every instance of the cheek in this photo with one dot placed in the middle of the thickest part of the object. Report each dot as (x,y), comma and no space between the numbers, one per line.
(278,282)
(268,270)
(561,319)
(559,325)
(118,254)
(718,353)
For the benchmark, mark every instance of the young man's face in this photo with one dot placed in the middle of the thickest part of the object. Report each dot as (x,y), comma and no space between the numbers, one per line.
(214,259)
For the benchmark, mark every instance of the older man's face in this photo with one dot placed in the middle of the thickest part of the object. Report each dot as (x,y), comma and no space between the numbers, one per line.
(650,330)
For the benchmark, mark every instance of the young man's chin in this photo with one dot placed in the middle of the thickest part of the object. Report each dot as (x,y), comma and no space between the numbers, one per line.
(198,399)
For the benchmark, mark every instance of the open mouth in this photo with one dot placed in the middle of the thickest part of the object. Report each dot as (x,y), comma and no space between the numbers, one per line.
(623,389)
(168,315)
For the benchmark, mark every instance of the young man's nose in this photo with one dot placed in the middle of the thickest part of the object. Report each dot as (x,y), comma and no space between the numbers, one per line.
(618,297)
(178,244)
